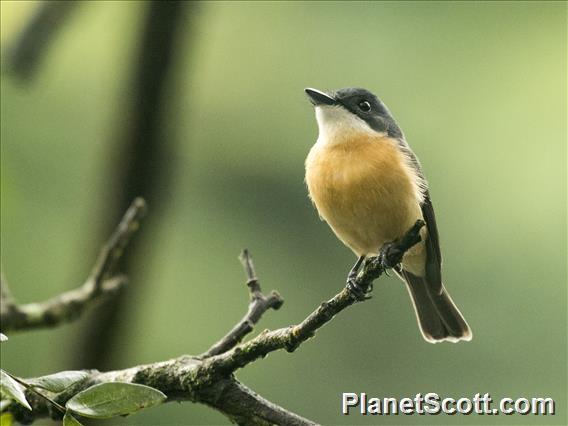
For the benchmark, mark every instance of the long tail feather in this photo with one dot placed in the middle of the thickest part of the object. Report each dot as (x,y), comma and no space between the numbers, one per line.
(438,317)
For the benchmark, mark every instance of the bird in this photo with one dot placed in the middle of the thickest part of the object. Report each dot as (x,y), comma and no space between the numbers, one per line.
(368,185)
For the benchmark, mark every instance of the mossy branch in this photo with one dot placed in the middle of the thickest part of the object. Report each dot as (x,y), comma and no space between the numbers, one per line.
(209,378)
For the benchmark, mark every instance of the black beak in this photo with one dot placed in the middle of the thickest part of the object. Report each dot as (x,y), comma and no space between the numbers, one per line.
(319,98)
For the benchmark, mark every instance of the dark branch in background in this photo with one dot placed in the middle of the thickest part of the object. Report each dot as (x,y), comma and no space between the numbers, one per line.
(101,284)
(142,164)
(26,53)
(210,379)
(259,304)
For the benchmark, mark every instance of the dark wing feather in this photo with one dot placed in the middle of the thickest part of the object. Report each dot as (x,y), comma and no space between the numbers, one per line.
(437,315)
(434,255)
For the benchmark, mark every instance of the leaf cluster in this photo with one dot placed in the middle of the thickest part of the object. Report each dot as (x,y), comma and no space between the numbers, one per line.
(100,401)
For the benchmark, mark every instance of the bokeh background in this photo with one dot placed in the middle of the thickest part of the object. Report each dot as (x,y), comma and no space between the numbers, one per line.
(478,88)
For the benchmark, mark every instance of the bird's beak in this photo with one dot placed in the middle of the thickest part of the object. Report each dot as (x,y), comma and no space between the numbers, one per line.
(318,97)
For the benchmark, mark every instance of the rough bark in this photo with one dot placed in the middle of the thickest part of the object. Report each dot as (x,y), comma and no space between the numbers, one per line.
(210,378)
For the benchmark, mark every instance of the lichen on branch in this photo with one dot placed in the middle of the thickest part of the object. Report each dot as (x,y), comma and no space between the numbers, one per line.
(210,377)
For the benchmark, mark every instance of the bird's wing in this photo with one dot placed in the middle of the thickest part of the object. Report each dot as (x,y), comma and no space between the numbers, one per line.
(434,255)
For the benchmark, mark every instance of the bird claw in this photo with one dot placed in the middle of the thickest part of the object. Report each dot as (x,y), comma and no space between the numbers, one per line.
(357,292)
(390,256)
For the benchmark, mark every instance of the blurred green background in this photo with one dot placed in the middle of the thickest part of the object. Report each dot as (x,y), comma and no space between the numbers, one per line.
(478,88)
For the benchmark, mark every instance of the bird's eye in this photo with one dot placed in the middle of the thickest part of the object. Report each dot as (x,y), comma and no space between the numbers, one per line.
(365,106)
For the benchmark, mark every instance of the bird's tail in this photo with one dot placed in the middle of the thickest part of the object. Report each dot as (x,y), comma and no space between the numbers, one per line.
(438,317)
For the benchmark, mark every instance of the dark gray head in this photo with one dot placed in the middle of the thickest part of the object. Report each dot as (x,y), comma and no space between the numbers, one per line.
(361,103)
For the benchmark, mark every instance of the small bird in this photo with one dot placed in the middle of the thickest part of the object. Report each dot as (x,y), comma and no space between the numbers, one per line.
(367,184)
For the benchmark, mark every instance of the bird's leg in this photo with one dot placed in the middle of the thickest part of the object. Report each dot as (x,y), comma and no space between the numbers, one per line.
(354,288)
(353,272)
(360,283)
(391,254)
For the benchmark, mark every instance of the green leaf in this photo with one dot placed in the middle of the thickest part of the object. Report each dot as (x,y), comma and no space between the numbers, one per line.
(107,400)
(58,382)
(6,419)
(69,420)
(13,389)
(3,337)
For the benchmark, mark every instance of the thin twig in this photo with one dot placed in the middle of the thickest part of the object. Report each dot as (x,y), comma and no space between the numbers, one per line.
(210,380)
(101,284)
(252,280)
(259,304)
(291,337)
(113,249)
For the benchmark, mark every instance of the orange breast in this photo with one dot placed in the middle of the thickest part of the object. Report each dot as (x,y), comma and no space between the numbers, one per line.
(364,189)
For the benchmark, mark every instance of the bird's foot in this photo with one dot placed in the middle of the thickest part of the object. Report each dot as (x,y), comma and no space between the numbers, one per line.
(358,291)
(389,257)
(391,254)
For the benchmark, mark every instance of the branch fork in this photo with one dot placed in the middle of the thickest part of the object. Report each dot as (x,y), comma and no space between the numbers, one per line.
(102,284)
(210,377)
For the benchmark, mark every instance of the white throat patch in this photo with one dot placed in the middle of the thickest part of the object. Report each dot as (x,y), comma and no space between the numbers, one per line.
(335,123)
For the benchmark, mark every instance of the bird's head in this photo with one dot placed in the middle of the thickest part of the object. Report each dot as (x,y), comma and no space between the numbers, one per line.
(351,110)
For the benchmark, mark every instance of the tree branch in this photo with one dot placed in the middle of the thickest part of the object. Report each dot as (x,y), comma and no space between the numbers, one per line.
(181,379)
(209,379)
(142,166)
(101,284)
(291,337)
(259,304)
(31,45)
